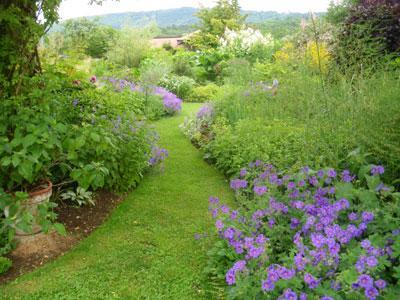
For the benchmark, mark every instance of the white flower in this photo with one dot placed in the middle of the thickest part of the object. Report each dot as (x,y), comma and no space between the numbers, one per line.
(243,40)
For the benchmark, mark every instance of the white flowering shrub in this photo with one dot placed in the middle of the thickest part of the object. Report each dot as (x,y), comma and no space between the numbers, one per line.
(241,43)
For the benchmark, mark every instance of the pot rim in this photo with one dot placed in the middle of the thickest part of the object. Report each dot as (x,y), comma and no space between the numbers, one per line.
(43,191)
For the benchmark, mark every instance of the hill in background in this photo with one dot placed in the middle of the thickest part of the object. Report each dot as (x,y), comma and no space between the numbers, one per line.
(183,20)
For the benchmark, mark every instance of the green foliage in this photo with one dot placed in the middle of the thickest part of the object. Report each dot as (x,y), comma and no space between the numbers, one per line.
(131,46)
(80,197)
(319,125)
(276,142)
(209,64)
(204,93)
(366,30)
(5,264)
(86,36)
(183,63)
(19,37)
(182,86)
(214,21)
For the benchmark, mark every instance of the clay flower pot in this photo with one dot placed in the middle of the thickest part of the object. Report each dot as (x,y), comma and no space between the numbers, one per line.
(36,198)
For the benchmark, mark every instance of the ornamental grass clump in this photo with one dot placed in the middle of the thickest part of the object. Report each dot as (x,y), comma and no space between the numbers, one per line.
(312,235)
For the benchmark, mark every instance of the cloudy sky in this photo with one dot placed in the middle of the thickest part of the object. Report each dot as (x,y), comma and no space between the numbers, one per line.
(79,8)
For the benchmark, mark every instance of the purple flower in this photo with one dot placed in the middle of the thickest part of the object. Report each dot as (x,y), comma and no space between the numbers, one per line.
(271,223)
(366,244)
(310,280)
(260,190)
(365,281)
(303,296)
(380,284)
(326,298)
(229,233)
(377,170)
(331,173)
(207,111)
(255,251)
(230,277)
(234,214)
(291,185)
(352,216)
(367,216)
(294,223)
(261,239)
(238,184)
(290,295)
(285,273)
(225,209)
(273,275)
(219,224)
(213,200)
(320,173)
(317,240)
(371,293)
(75,102)
(371,261)
(243,172)
(267,285)
(239,265)
(346,176)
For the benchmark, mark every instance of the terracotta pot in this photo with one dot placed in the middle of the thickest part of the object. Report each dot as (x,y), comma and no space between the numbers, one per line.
(31,204)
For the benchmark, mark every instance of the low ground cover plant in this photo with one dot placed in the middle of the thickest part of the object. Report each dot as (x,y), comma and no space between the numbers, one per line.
(323,234)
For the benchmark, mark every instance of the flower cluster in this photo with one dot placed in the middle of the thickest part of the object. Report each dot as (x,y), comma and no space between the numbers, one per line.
(300,231)
(122,84)
(243,40)
(172,104)
(158,155)
(206,111)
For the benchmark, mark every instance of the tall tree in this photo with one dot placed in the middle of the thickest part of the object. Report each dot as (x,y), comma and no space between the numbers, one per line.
(22,24)
(214,21)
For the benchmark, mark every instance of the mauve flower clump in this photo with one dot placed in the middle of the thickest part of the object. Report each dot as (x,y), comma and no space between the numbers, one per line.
(172,104)
(328,251)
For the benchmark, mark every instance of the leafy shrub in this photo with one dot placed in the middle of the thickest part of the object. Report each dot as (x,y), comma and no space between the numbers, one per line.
(313,234)
(131,46)
(235,146)
(367,29)
(183,63)
(182,86)
(5,264)
(331,120)
(203,93)
(209,64)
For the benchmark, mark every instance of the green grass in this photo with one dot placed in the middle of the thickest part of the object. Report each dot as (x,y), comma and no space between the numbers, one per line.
(146,249)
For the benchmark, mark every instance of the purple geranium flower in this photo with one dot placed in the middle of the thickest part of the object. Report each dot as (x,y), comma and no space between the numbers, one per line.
(260,190)
(371,293)
(377,170)
(380,283)
(365,281)
(238,184)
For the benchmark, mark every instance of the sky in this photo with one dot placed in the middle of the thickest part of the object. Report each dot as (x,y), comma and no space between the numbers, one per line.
(79,8)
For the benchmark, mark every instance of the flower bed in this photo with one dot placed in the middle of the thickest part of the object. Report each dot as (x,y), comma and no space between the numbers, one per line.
(311,235)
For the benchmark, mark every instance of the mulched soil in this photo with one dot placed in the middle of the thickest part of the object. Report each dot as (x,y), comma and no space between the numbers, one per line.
(79,223)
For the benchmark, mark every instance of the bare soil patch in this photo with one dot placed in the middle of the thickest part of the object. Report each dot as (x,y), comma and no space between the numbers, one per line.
(79,222)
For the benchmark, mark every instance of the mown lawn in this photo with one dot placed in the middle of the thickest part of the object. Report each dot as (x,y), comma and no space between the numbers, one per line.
(146,249)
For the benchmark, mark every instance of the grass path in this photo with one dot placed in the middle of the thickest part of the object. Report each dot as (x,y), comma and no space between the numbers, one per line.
(146,249)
